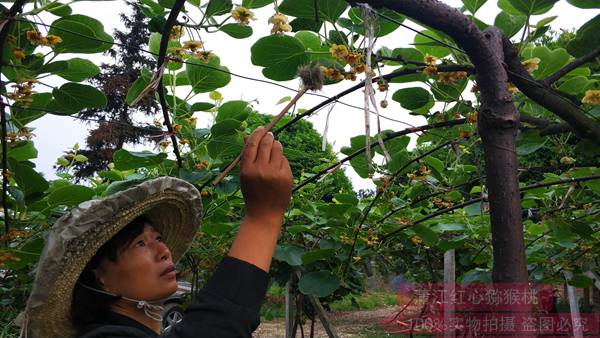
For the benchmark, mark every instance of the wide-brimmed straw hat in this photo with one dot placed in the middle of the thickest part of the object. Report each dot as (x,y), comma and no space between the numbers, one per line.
(174,208)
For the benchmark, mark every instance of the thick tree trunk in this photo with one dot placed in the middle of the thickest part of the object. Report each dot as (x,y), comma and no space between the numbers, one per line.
(497,124)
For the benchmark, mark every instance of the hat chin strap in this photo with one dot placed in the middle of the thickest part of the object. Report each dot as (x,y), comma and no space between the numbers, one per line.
(150,310)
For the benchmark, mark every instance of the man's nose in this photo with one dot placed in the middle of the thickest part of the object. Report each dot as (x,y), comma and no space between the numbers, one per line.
(162,251)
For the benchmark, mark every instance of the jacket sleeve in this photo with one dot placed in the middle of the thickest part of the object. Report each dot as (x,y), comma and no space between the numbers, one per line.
(229,304)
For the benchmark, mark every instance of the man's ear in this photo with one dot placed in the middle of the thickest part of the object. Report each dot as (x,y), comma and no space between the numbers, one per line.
(100,278)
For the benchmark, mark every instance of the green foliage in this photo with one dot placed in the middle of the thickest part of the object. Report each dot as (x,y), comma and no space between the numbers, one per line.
(328,236)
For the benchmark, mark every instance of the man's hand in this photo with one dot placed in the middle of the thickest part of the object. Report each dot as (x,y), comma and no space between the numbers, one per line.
(266,181)
(266,177)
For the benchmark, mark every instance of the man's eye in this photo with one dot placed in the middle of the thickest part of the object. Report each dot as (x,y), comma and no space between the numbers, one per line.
(159,238)
(140,243)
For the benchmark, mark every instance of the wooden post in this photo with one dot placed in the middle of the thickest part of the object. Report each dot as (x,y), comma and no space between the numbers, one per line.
(323,317)
(289,306)
(575,318)
(449,291)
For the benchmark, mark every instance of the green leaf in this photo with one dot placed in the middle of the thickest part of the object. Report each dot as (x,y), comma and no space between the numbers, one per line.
(510,24)
(154,48)
(218,7)
(580,281)
(474,5)
(530,7)
(202,106)
(74,97)
(382,27)
(289,253)
(121,185)
(428,46)
(225,127)
(223,147)
(575,85)
(319,283)
(125,160)
(346,199)
(76,69)
(90,37)
(329,10)
(428,236)
(585,3)
(70,195)
(137,87)
(358,163)
(206,76)
(23,150)
(28,180)
(59,9)
(236,30)
(22,116)
(545,21)
(237,110)
(415,99)
(256,3)
(587,38)
(280,55)
(473,209)
(216,229)
(550,60)
(313,256)
(529,142)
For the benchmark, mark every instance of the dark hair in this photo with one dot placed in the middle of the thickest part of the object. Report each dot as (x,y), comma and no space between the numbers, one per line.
(88,306)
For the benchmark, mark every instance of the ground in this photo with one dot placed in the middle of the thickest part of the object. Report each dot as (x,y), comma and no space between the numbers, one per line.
(348,324)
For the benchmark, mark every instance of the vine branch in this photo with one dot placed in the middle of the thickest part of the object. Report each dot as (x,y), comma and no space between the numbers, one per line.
(16,8)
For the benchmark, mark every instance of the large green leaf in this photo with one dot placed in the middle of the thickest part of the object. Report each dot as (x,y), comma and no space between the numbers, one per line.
(550,60)
(236,30)
(280,55)
(585,3)
(587,38)
(125,160)
(218,7)
(23,150)
(383,26)
(329,10)
(289,253)
(359,163)
(76,69)
(509,23)
(225,127)
(319,283)
(206,76)
(70,195)
(22,116)
(80,34)
(256,3)
(138,86)
(414,99)
(237,110)
(529,141)
(575,85)
(28,180)
(224,147)
(427,45)
(474,5)
(428,236)
(530,7)
(313,256)
(73,97)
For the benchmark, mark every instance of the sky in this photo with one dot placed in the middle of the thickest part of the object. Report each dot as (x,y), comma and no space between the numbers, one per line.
(55,134)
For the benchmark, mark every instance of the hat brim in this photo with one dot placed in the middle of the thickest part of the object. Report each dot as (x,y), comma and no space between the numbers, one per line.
(173,206)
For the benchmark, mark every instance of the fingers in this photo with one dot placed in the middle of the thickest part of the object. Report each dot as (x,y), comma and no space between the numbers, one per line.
(264,148)
(250,148)
(276,154)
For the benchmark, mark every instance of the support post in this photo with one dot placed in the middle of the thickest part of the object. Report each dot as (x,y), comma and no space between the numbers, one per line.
(449,291)
(574,307)
(289,306)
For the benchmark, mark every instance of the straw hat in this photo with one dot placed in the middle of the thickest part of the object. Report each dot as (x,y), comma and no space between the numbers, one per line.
(173,206)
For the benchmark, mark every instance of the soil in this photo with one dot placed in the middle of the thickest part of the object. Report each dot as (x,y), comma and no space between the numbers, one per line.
(348,324)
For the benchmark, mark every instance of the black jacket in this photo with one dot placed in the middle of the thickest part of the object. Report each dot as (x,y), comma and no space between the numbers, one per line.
(228,306)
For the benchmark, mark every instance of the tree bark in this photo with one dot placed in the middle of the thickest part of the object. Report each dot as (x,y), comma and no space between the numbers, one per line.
(497,123)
